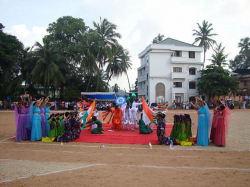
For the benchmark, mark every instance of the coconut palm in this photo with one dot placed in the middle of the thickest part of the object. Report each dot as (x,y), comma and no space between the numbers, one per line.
(158,39)
(108,37)
(219,58)
(47,71)
(114,67)
(115,88)
(126,65)
(245,46)
(203,36)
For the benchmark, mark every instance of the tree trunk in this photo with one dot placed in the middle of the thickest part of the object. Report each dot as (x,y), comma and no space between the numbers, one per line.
(128,81)
(109,79)
(88,83)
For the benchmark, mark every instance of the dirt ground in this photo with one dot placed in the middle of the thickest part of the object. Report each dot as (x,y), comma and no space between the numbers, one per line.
(84,164)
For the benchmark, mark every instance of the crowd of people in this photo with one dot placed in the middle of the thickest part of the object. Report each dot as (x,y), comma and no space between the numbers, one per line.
(34,122)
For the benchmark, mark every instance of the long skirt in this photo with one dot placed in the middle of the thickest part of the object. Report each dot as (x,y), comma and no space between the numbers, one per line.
(202,137)
(220,137)
(36,131)
(21,131)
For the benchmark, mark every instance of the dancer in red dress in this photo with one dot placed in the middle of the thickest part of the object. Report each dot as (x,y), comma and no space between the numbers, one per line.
(222,124)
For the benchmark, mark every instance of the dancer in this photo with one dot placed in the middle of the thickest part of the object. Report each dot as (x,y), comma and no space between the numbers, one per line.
(214,123)
(222,124)
(99,128)
(42,114)
(204,124)
(117,118)
(188,126)
(21,121)
(143,128)
(72,128)
(163,140)
(36,130)
(126,115)
(133,115)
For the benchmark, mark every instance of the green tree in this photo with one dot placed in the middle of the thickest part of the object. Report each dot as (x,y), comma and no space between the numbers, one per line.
(158,39)
(242,60)
(216,81)
(203,36)
(219,58)
(47,71)
(11,54)
(244,46)
(108,38)
(115,88)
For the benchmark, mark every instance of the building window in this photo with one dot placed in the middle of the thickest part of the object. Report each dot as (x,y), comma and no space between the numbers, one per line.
(177,53)
(147,88)
(147,76)
(177,69)
(192,85)
(245,83)
(178,84)
(192,71)
(191,54)
(147,61)
(147,93)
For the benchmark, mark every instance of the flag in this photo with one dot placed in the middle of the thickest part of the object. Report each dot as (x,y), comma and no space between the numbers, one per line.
(88,114)
(147,116)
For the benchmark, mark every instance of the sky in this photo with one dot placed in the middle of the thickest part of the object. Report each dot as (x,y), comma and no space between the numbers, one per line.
(138,21)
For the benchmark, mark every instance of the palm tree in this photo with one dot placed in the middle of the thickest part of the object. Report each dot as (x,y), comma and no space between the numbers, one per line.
(108,37)
(114,67)
(126,65)
(47,71)
(115,88)
(219,58)
(204,34)
(158,39)
(245,46)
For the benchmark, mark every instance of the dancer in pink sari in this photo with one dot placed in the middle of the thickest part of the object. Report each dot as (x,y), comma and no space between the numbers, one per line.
(222,124)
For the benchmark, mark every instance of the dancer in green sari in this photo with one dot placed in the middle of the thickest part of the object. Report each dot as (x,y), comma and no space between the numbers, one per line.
(99,128)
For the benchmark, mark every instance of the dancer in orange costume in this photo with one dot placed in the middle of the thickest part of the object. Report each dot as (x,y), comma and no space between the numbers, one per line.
(117,118)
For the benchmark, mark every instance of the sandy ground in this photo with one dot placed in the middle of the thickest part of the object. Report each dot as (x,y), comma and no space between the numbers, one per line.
(84,164)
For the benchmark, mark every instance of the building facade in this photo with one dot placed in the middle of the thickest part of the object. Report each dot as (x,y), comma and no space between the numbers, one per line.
(169,71)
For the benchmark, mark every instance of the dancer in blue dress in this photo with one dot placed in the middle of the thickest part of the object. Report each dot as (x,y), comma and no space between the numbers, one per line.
(36,131)
(47,115)
(204,124)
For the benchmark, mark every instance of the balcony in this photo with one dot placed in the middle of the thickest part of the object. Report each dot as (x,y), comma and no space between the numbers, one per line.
(178,75)
(141,78)
(179,90)
(184,60)
(142,91)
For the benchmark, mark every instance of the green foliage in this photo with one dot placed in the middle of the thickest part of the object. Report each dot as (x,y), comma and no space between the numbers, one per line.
(219,58)
(203,36)
(158,39)
(115,88)
(216,81)
(242,60)
(72,57)
(11,53)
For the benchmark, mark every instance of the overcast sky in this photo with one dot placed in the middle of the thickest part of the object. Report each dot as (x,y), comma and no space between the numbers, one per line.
(138,21)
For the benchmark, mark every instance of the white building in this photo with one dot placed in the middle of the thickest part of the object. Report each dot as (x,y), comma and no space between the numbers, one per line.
(169,71)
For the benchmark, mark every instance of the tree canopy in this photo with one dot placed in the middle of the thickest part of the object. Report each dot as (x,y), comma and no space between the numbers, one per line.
(204,36)
(242,60)
(72,58)
(158,39)
(216,81)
